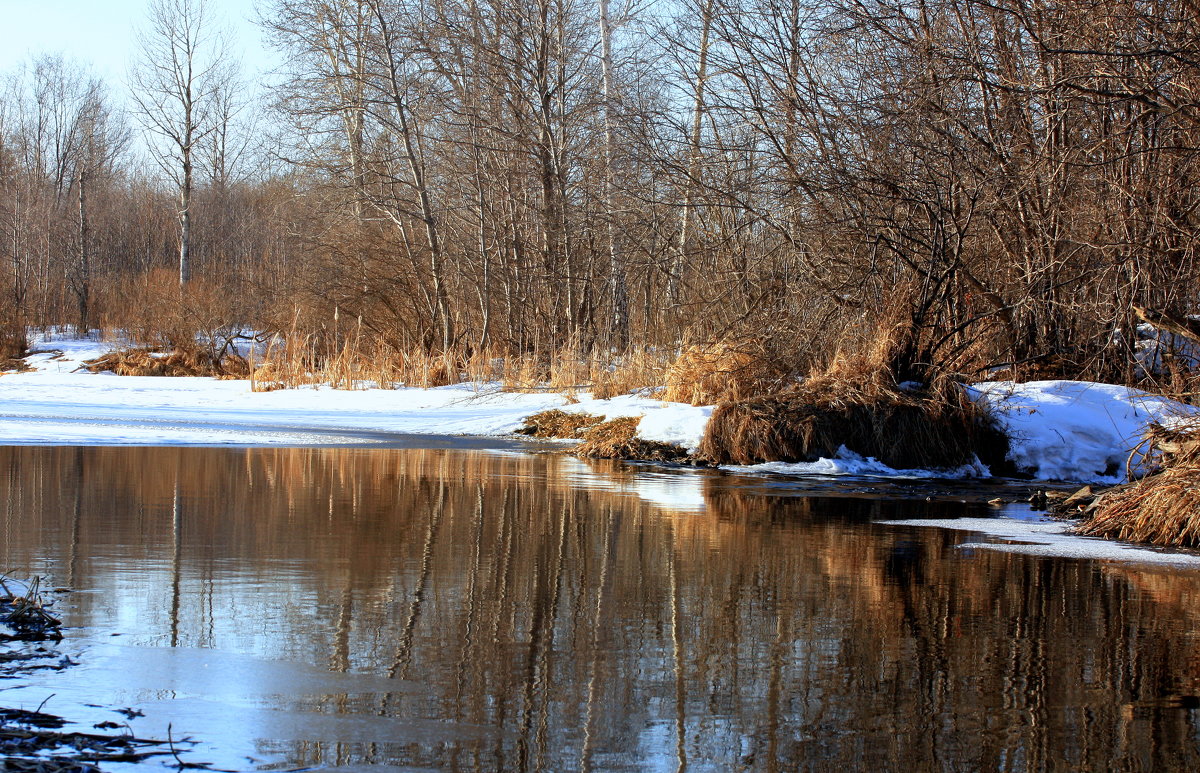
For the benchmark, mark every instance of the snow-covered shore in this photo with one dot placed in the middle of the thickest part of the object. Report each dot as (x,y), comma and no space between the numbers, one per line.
(1061,430)
(58,404)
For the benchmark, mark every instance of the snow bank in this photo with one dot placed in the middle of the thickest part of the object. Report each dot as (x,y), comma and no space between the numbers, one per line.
(1061,430)
(1075,430)
(55,405)
(675,423)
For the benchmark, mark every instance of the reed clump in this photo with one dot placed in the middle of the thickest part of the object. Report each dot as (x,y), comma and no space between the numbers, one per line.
(1162,508)
(558,424)
(726,371)
(857,403)
(617,439)
(141,361)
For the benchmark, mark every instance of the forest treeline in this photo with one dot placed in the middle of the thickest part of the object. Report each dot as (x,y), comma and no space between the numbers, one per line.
(1000,180)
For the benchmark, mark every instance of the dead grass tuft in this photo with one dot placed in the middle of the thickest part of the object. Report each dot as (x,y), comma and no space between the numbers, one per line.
(617,439)
(558,424)
(1162,508)
(180,362)
(859,401)
(934,427)
(722,372)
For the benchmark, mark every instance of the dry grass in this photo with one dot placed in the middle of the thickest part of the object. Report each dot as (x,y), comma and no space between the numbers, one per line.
(1162,508)
(638,368)
(574,369)
(722,372)
(180,362)
(617,439)
(856,402)
(558,424)
(360,362)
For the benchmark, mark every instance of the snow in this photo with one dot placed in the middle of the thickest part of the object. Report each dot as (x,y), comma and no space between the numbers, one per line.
(846,462)
(1061,430)
(1040,536)
(676,423)
(1153,348)
(54,405)
(1075,430)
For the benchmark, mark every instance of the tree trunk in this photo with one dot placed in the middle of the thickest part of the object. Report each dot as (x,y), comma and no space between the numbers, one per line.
(83,291)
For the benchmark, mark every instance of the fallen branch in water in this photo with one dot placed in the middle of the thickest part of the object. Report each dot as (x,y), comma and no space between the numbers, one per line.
(23,616)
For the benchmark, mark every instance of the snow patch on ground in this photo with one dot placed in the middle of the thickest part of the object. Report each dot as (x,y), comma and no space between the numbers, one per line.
(675,423)
(56,405)
(1075,430)
(1041,536)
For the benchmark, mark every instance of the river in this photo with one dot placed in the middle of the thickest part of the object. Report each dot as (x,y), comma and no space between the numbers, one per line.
(490,609)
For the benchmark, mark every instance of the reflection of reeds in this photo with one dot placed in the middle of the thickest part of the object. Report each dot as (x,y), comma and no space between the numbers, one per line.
(542,616)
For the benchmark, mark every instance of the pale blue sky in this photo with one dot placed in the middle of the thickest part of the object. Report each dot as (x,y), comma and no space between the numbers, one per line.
(100,33)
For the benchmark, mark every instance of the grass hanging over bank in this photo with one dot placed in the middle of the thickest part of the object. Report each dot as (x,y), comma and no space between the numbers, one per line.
(617,439)
(858,402)
(1162,508)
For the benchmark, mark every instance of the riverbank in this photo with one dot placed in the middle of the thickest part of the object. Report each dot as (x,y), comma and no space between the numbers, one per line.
(1058,430)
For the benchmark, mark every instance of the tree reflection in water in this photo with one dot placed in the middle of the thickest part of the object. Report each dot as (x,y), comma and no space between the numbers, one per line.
(535,622)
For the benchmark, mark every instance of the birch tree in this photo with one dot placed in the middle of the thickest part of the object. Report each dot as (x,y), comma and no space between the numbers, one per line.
(183,68)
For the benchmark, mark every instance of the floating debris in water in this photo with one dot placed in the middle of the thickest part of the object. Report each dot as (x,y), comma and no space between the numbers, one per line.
(23,617)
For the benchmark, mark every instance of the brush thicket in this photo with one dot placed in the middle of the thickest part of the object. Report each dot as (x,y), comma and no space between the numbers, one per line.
(1162,508)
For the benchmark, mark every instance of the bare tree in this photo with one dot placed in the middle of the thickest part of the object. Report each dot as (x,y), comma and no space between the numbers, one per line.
(183,69)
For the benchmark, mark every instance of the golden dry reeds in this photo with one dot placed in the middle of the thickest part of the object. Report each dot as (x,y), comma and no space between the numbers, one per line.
(638,368)
(1162,508)
(180,362)
(857,403)
(298,359)
(722,372)
(574,368)
(617,439)
(558,424)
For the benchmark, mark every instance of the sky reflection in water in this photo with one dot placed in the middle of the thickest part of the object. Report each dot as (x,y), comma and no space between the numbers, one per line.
(470,610)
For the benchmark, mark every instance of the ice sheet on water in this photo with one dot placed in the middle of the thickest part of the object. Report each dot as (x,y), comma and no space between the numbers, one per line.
(1040,536)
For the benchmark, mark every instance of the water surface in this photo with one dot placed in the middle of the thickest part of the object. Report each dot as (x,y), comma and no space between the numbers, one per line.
(380,609)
